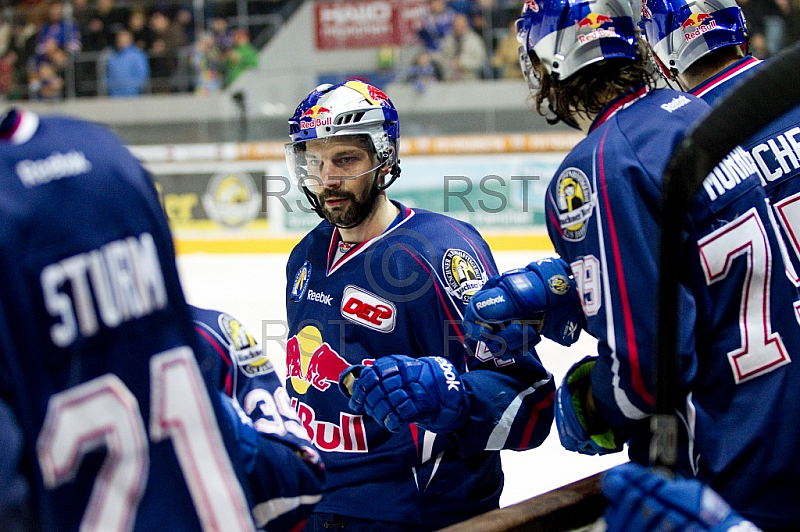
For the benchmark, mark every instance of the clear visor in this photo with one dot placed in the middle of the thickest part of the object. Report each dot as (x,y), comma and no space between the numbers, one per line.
(312,163)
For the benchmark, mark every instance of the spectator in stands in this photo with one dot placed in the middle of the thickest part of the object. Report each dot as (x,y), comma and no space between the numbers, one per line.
(5,33)
(223,36)
(436,24)
(23,42)
(93,41)
(462,54)
(505,59)
(59,31)
(206,61)
(46,83)
(81,13)
(242,56)
(8,62)
(767,21)
(114,18)
(168,40)
(424,71)
(128,70)
(137,25)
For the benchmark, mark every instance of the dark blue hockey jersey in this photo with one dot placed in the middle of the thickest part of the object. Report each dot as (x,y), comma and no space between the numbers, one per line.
(97,347)
(738,322)
(404,292)
(775,149)
(286,479)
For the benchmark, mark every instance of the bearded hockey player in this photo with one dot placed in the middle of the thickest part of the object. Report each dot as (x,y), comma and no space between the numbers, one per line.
(375,298)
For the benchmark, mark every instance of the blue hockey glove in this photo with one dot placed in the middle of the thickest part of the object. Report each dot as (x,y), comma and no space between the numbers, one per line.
(642,500)
(571,414)
(397,390)
(520,304)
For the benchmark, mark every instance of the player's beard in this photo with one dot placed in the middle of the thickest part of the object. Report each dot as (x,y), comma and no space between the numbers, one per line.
(354,211)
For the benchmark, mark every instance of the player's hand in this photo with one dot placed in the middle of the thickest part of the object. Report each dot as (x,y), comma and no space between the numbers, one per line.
(571,414)
(642,500)
(397,390)
(519,304)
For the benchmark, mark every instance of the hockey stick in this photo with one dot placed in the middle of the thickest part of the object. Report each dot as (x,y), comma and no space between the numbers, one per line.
(772,91)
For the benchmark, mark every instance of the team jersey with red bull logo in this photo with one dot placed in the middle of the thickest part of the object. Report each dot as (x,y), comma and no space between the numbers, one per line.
(287,476)
(738,323)
(404,292)
(775,149)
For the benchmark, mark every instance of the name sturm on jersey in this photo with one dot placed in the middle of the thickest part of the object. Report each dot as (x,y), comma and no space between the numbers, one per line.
(120,281)
(734,168)
(675,104)
(55,166)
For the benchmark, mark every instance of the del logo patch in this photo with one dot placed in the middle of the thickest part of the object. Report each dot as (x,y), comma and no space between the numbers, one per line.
(369,310)
(575,203)
(300,284)
(462,273)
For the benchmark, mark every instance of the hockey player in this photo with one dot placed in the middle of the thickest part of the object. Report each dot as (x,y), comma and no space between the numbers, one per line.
(738,324)
(375,296)
(644,500)
(703,46)
(108,423)
(287,473)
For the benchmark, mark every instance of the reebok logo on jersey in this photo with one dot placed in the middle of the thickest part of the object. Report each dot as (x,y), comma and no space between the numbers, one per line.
(56,166)
(319,297)
(675,104)
(449,374)
(367,309)
(491,301)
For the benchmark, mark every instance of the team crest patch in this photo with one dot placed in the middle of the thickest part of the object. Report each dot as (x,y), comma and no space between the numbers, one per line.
(232,199)
(575,203)
(245,352)
(558,284)
(462,273)
(300,284)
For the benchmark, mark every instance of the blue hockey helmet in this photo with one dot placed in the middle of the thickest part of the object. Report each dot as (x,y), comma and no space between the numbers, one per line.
(353,109)
(567,35)
(682,31)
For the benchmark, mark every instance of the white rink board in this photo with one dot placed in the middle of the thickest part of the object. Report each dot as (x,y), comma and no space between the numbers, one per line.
(251,287)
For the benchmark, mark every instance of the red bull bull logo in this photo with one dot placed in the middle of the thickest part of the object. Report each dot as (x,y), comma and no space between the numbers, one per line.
(697,24)
(530,5)
(373,94)
(349,436)
(312,362)
(316,116)
(594,20)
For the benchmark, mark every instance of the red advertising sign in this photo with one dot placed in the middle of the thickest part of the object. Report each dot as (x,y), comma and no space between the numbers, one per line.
(367,23)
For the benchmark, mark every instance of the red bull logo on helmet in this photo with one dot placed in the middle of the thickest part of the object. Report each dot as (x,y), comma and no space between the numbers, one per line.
(373,94)
(316,116)
(697,24)
(594,20)
(530,5)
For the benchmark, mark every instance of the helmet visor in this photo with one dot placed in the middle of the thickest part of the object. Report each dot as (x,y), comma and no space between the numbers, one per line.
(312,163)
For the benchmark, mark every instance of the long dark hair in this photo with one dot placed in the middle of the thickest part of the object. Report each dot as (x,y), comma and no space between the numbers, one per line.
(590,89)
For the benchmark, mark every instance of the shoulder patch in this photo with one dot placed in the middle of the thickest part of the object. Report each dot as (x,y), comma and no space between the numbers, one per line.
(243,347)
(575,203)
(300,283)
(462,273)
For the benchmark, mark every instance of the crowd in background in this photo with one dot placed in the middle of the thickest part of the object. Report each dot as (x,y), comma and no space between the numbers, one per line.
(54,49)
(107,47)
